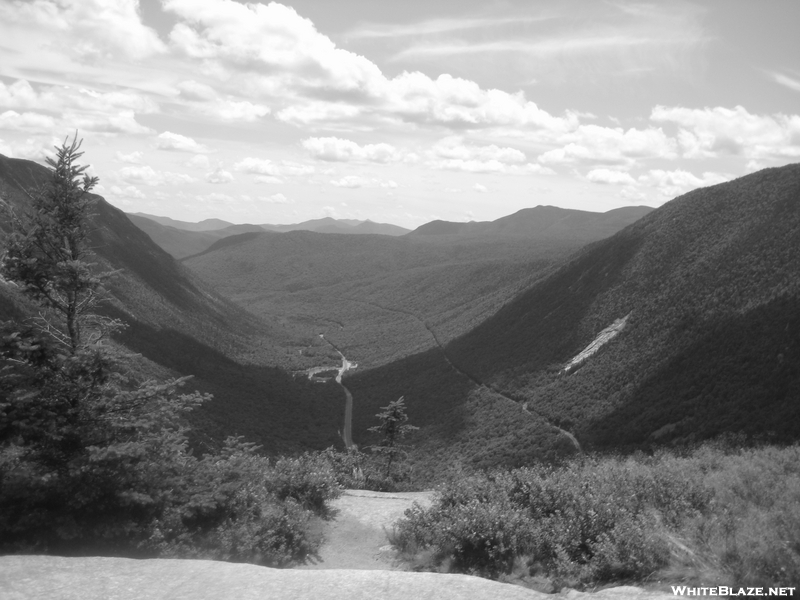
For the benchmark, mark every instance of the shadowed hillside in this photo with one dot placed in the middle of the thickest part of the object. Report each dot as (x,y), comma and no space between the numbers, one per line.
(711,282)
(180,324)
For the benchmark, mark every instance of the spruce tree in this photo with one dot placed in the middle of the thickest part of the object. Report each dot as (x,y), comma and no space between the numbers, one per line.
(393,428)
(88,453)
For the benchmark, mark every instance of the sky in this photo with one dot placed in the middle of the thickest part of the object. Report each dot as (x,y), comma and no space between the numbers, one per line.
(400,111)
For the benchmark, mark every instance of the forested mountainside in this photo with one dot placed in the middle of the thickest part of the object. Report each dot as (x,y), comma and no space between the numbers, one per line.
(381,298)
(710,286)
(178,322)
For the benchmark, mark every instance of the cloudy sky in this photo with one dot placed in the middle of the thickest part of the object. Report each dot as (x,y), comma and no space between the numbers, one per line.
(401,111)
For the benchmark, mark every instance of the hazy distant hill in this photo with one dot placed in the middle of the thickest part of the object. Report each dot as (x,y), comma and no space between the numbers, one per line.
(379,297)
(330,225)
(179,323)
(206,225)
(544,222)
(181,243)
(182,239)
(710,286)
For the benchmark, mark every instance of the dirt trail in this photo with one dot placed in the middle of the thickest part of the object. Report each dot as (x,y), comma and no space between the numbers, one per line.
(356,537)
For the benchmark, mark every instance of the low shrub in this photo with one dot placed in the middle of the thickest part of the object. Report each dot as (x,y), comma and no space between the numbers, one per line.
(734,513)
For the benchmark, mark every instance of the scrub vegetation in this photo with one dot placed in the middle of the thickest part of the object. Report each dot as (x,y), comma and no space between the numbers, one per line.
(716,513)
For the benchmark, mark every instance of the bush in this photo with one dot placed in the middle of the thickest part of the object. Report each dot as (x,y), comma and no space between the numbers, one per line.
(309,480)
(729,515)
(237,506)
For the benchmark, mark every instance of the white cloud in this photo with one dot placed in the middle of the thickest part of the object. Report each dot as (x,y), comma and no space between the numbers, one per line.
(609,177)
(32,148)
(145,174)
(21,94)
(122,122)
(436,26)
(219,175)
(712,132)
(215,198)
(786,81)
(266,179)
(77,108)
(480,188)
(178,143)
(13,120)
(454,148)
(86,30)
(336,149)
(288,60)
(356,181)
(204,100)
(199,161)
(264,166)
(351,181)
(594,144)
(126,192)
(674,183)
(134,158)
(276,199)
(452,153)
(233,110)
(194,90)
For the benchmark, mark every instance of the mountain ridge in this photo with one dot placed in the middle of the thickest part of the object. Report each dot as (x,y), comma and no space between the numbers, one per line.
(710,283)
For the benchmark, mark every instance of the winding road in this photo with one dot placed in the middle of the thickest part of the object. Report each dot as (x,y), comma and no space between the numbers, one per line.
(525,408)
(347,433)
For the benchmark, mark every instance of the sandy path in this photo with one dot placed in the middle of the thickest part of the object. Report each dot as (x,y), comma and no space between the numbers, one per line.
(356,536)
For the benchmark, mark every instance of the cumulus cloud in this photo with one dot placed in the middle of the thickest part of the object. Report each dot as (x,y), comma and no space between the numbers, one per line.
(127,192)
(594,144)
(351,181)
(194,90)
(454,154)
(480,188)
(673,183)
(265,166)
(13,120)
(35,148)
(86,30)
(178,143)
(267,179)
(134,158)
(609,176)
(712,132)
(335,149)
(355,181)
(199,161)
(275,199)
(77,107)
(21,94)
(219,175)
(146,175)
(287,58)
(121,122)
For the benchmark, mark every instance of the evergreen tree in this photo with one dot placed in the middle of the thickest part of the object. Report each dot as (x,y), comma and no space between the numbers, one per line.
(47,252)
(86,450)
(392,429)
